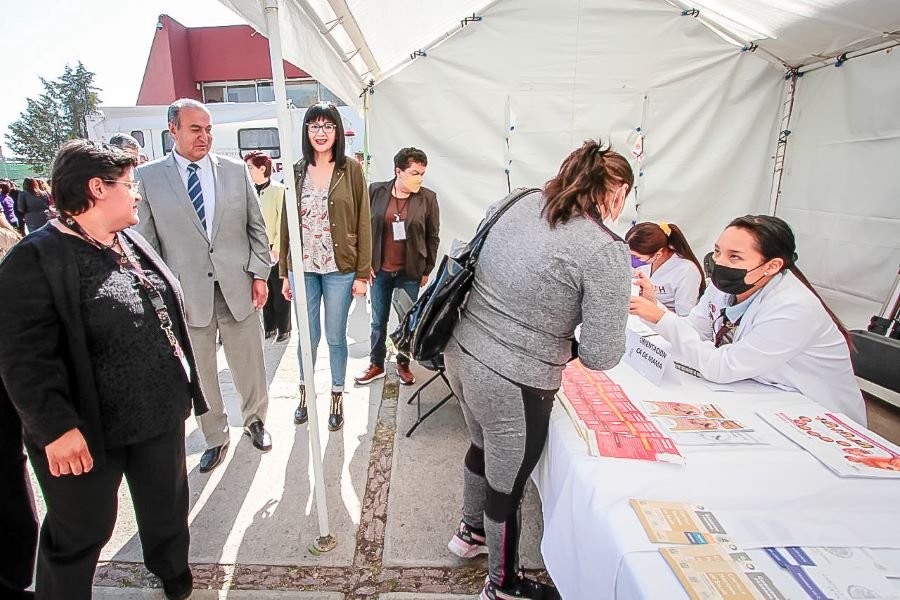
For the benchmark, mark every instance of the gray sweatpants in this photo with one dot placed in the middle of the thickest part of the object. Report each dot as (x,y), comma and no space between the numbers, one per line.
(507,425)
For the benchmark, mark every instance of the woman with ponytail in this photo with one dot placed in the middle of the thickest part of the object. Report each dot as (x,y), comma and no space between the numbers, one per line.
(761,319)
(548,265)
(675,273)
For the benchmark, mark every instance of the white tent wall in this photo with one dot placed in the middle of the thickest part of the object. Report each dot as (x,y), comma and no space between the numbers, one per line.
(841,182)
(565,71)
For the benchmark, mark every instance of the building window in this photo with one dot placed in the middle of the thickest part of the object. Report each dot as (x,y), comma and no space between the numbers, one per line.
(242,93)
(168,142)
(213,93)
(259,138)
(303,93)
(139,136)
(265,91)
(325,94)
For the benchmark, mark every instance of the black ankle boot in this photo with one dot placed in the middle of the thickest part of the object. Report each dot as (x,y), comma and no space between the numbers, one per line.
(336,416)
(300,415)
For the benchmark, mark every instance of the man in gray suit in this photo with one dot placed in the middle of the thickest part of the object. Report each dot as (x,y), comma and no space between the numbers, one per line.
(201,213)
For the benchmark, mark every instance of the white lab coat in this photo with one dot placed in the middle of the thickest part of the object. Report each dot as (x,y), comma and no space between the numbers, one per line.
(677,284)
(784,339)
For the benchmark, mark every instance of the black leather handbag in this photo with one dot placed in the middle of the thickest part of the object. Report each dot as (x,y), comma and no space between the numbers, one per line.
(427,326)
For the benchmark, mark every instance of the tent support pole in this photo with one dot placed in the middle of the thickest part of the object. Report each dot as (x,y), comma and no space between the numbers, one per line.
(783,132)
(325,541)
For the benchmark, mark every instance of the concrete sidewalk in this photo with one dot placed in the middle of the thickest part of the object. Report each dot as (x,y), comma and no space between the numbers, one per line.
(393,502)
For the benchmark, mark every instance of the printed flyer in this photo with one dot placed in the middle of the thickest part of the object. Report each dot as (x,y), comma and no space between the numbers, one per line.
(683,409)
(836,573)
(720,572)
(610,424)
(678,523)
(839,443)
(699,424)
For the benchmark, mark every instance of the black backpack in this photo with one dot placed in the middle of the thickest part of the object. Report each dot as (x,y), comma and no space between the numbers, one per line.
(427,326)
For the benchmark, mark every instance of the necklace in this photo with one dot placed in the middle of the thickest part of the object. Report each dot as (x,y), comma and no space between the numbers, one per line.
(122,256)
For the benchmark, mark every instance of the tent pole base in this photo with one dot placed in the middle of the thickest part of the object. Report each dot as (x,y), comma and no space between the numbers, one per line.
(324,543)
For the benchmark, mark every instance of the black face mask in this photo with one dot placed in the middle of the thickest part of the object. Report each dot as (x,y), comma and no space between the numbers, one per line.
(728,279)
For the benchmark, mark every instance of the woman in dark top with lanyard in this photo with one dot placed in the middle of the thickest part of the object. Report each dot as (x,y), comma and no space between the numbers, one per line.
(96,360)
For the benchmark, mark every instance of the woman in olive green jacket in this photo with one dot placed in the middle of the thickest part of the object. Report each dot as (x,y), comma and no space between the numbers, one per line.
(333,203)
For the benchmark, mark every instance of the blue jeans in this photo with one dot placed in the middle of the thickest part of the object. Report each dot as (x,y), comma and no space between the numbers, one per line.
(337,291)
(382,291)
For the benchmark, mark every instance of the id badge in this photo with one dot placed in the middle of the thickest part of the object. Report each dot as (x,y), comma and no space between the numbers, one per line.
(399,230)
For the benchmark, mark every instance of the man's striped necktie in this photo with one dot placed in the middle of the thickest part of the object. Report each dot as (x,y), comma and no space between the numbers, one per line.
(196,192)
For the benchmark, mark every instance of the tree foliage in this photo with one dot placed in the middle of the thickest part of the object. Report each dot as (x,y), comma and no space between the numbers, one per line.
(56,116)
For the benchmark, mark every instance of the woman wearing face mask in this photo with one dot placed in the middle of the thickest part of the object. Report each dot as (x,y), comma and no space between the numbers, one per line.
(674,271)
(549,264)
(761,319)
(337,244)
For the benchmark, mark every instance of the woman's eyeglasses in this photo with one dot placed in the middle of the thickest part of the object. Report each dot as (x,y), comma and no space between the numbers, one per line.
(317,127)
(132,185)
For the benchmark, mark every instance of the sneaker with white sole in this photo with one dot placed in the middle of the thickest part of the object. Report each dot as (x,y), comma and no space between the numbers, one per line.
(369,375)
(468,542)
(522,587)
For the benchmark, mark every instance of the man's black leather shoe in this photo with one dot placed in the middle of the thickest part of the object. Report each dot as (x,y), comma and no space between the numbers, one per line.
(213,457)
(179,588)
(259,436)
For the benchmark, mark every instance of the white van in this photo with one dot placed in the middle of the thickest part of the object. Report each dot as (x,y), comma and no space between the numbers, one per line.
(238,128)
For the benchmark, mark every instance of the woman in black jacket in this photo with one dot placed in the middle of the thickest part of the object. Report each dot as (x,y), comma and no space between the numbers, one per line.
(95,357)
(34,204)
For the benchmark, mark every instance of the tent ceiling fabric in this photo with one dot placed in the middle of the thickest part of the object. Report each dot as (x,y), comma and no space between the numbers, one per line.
(801,32)
(345,43)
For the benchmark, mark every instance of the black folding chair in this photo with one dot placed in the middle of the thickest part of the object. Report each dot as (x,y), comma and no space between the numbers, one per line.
(436,365)
(402,303)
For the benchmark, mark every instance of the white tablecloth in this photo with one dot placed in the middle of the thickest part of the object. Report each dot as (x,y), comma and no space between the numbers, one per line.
(771,495)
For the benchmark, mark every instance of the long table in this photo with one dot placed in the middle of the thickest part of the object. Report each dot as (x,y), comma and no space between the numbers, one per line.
(594,547)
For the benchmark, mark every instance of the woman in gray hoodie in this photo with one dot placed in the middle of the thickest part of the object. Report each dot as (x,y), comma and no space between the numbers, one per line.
(517,332)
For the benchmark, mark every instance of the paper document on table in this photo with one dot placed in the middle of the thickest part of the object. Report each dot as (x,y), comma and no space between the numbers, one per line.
(608,421)
(836,573)
(720,572)
(697,424)
(744,386)
(719,438)
(848,449)
(678,523)
(683,409)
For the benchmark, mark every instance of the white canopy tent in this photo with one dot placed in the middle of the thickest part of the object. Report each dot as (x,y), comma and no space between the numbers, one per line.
(497,93)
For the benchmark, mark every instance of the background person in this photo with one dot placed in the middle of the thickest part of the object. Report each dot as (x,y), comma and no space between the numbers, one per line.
(761,319)
(9,236)
(126,143)
(7,205)
(277,311)
(675,272)
(97,362)
(406,232)
(515,336)
(34,204)
(333,205)
(14,194)
(201,212)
